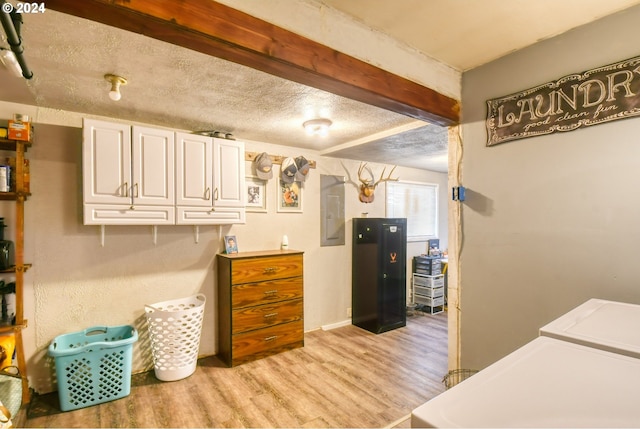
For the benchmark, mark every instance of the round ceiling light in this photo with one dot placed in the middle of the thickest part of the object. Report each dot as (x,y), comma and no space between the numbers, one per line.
(317,127)
(116,81)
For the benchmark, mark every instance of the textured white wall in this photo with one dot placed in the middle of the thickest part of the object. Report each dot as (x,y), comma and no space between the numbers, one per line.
(75,283)
(550,221)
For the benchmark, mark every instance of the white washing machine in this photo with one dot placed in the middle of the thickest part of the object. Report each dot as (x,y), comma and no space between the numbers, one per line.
(607,325)
(546,383)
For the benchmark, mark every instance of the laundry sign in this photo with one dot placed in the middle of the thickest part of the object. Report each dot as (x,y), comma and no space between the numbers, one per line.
(579,100)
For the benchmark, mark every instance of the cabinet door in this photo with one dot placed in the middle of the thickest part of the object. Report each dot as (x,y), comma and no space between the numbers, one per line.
(228,173)
(106,156)
(153,167)
(194,170)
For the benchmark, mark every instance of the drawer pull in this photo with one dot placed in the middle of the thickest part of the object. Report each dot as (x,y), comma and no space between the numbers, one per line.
(266,316)
(271,338)
(271,292)
(269,270)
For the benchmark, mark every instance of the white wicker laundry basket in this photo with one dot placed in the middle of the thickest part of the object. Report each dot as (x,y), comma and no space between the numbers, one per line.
(174,330)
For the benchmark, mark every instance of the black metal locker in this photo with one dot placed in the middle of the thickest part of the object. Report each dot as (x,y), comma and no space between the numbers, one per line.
(379,287)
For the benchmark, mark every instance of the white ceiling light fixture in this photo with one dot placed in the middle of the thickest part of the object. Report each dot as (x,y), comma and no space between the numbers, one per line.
(10,61)
(116,82)
(317,127)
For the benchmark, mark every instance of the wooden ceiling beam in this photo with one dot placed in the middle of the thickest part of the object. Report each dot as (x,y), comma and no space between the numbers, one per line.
(218,30)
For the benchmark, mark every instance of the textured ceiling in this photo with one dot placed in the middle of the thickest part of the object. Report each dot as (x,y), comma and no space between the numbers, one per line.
(177,87)
(468,33)
(174,87)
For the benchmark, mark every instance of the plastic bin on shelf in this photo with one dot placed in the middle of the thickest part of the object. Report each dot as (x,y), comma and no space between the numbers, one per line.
(93,366)
(174,330)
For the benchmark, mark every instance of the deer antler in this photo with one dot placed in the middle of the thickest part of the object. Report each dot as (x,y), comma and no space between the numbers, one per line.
(388,178)
(368,187)
(366,183)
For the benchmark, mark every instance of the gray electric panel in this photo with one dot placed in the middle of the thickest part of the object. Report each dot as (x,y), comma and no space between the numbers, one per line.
(331,210)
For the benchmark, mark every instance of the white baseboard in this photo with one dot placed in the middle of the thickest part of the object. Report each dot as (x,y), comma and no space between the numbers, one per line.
(336,325)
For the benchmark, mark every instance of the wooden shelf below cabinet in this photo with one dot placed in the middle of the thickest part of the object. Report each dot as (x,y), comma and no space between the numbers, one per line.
(12,269)
(13,196)
(11,328)
(6,144)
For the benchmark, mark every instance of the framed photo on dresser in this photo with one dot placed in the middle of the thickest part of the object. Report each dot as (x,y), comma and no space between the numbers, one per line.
(230,244)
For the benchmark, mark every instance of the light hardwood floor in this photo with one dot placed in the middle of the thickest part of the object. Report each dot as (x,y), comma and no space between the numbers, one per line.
(345,377)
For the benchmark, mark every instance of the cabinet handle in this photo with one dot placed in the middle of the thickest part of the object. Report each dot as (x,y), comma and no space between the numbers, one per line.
(136,186)
(271,338)
(126,189)
(207,194)
(267,316)
(271,292)
(269,270)
(215,194)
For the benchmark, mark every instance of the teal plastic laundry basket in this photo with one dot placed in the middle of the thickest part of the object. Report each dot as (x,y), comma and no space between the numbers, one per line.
(93,366)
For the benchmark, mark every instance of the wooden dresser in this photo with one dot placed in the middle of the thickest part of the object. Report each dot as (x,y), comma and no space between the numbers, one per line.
(260,304)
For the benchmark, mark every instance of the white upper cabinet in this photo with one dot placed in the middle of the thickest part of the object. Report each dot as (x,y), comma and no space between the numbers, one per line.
(129,175)
(153,167)
(209,180)
(146,176)
(106,157)
(228,178)
(194,170)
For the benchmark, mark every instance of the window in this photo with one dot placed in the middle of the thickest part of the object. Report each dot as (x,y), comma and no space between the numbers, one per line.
(418,202)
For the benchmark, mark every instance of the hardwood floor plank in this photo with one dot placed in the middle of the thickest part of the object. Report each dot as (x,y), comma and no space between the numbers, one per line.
(345,377)
(144,410)
(210,400)
(289,392)
(317,423)
(114,414)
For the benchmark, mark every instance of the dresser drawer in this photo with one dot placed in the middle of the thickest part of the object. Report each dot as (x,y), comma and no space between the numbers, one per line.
(267,268)
(257,344)
(262,316)
(266,292)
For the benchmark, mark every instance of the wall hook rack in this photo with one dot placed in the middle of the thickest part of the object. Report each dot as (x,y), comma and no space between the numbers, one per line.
(276,159)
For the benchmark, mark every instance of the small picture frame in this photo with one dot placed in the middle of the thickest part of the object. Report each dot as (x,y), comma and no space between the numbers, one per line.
(289,197)
(230,244)
(256,194)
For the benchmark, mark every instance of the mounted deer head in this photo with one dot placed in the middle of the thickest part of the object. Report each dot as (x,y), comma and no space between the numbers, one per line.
(368,186)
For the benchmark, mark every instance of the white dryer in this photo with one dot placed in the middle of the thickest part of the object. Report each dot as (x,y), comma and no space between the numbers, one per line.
(546,383)
(607,325)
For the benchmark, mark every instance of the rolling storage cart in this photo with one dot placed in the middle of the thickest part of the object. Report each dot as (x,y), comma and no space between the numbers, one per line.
(427,285)
(428,291)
